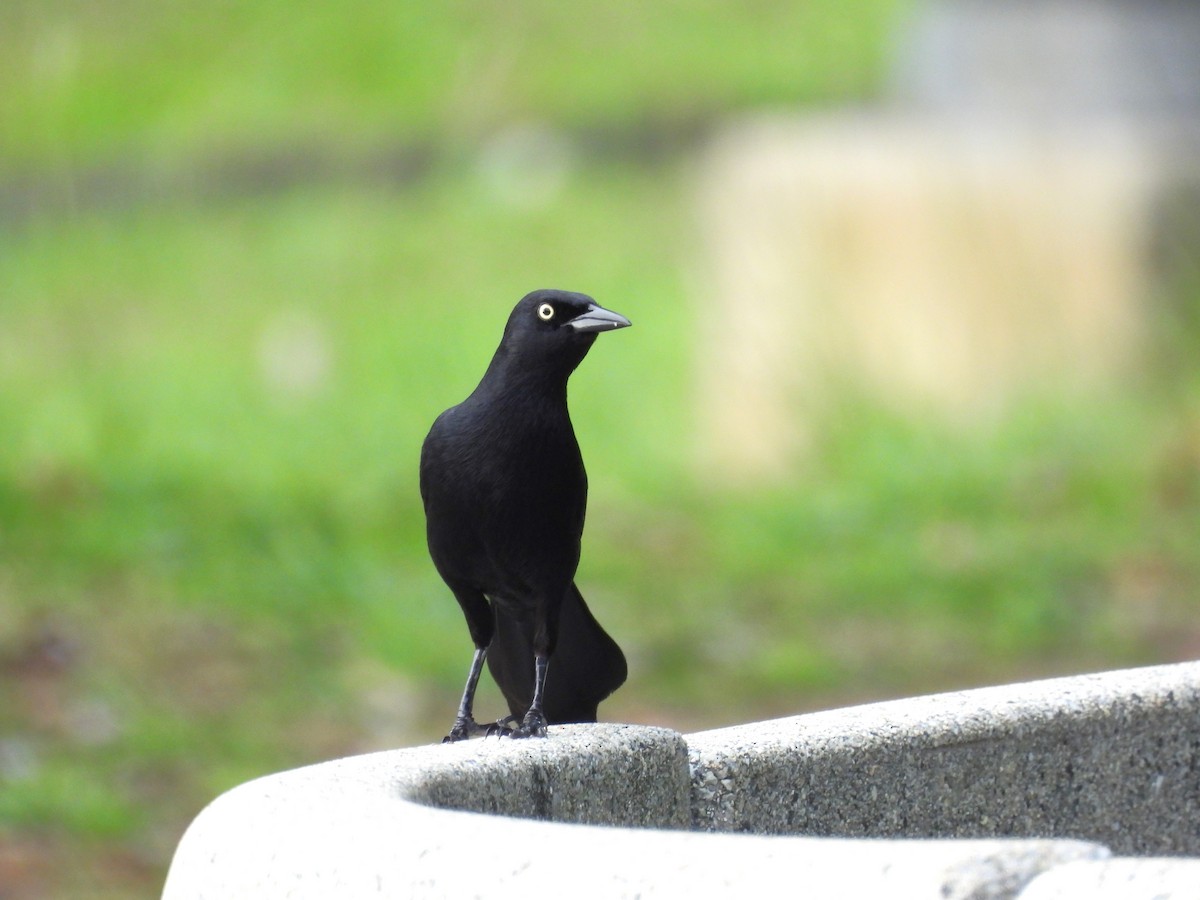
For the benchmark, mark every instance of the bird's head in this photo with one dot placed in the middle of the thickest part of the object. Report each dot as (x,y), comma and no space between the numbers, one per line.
(556,328)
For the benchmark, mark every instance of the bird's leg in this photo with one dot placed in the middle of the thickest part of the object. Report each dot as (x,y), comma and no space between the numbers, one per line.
(464,722)
(534,723)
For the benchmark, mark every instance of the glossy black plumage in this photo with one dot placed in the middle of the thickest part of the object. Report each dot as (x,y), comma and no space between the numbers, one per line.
(505,495)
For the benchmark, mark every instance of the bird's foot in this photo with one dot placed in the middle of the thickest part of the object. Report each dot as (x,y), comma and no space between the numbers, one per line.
(533,725)
(501,727)
(464,728)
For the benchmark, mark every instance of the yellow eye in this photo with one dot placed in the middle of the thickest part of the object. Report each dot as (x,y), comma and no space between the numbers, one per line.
(545,312)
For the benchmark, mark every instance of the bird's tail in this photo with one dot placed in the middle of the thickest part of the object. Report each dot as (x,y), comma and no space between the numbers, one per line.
(586,667)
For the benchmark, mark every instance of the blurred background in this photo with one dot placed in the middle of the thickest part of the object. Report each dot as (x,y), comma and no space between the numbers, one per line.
(911,403)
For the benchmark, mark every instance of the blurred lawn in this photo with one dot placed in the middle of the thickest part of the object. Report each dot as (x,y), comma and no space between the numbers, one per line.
(211,557)
(95,80)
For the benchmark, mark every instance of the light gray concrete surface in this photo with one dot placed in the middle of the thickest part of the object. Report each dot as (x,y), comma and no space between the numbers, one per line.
(1113,758)
(343,830)
(600,774)
(1119,879)
(1110,757)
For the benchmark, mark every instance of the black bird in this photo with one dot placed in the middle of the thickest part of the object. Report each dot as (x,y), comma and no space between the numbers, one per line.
(505,494)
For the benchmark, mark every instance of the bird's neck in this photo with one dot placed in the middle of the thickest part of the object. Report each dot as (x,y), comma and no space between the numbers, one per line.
(509,375)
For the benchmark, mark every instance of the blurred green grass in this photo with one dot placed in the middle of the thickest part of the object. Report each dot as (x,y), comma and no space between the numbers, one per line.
(92,80)
(211,407)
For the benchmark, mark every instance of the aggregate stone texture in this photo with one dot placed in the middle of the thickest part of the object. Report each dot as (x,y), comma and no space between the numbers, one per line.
(598,774)
(1112,758)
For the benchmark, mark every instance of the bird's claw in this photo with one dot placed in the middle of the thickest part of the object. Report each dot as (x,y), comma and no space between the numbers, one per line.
(533,725)
(501,728)
(465,728)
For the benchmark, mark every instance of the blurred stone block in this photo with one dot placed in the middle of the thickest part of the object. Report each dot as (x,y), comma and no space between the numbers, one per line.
(1004,226)
(934,265)
(1046,60)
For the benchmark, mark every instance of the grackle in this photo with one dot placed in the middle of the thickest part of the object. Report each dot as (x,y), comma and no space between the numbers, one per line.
(505,494)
